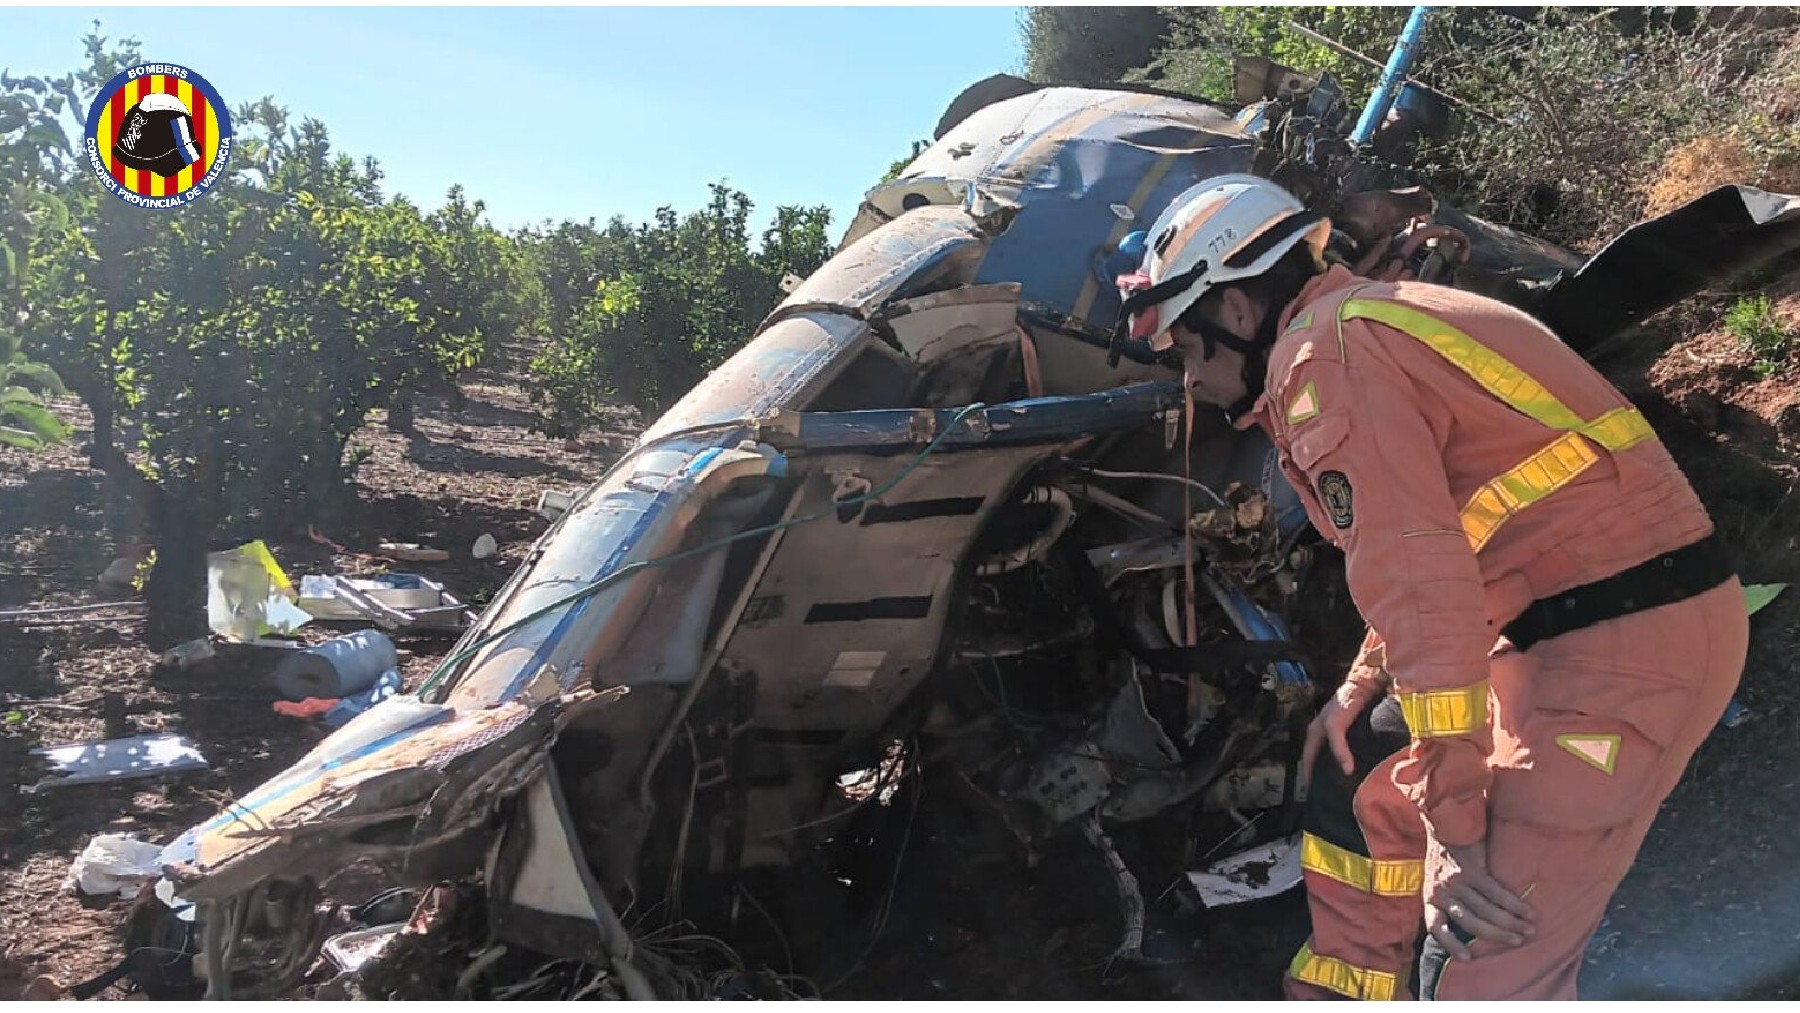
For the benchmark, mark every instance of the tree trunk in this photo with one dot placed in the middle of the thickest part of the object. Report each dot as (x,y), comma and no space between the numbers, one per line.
(400,412)
(176,588)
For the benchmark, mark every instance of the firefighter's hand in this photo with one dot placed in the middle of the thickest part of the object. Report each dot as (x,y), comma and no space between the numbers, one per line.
(1332,727)
(1464,902)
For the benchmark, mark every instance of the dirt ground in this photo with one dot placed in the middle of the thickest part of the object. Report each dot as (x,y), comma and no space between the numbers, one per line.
(1706,912)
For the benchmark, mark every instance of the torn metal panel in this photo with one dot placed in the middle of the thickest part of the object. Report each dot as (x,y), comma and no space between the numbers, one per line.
(1660,262)
(544,895)
(116,760)
(383,767)
(957,339)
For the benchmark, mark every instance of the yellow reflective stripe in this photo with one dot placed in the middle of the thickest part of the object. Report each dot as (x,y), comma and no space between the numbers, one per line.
(1345,979)
(1445,712)
(1496,375)
(1545,471)
(1619,429)
(1383,878)
(1536,477)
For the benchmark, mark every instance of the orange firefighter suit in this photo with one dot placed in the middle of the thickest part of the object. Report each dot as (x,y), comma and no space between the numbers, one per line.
(1547,608)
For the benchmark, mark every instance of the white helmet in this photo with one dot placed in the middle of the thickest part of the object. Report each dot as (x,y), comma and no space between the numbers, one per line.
(1225,229)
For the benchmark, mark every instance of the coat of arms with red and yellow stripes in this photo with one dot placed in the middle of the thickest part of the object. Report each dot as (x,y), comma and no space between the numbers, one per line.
(158,135)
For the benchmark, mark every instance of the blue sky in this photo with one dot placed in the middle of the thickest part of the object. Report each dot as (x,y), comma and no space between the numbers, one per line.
(572,112)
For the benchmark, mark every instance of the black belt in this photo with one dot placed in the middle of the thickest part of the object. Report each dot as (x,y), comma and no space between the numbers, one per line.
(1669,578)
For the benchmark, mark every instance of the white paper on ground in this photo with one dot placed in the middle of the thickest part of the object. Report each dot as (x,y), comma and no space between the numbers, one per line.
(114,864)
(1261,872)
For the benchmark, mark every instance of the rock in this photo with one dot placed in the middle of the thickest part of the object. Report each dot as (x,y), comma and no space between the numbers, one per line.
(42,988)
(485,547)
(121,573)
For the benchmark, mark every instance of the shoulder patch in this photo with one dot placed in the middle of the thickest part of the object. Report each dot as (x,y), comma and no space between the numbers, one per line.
(1305,404)
(1334,493)
(1299,323)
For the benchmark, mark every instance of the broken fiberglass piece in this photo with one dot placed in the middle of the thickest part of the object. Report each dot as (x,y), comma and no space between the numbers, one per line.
(248,596)
(117,760)
(351,950)
(1264,871)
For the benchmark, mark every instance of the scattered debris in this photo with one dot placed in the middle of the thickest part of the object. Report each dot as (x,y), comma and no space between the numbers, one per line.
(116,864)
(313,533)
(116,760)
(1259,873)
(412,552)
(393,601)
(351,950)
(553,504)
(248,595)
(336,711)
(348,707)
(189,654)
(485,547)
(1758,596)
(337,668)
(306,710)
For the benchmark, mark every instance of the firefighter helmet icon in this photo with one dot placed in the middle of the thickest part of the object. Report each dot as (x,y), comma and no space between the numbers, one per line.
(158,135)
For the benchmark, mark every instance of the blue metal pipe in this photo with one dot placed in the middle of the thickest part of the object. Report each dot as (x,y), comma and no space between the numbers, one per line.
(1392,76)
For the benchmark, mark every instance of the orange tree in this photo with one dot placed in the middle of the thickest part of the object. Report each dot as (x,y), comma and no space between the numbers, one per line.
(232,346)
(640,315)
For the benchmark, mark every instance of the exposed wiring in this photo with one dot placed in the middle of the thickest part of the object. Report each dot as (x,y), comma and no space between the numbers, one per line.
(449,664)
(1160,477)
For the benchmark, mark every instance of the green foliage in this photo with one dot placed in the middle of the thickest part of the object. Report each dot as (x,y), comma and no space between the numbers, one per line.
(1586,107)
(898,165)
(1196,58)
(663,303)
(1569,111)
(229,349)
(1089,45)
(1763,333)
(34,148)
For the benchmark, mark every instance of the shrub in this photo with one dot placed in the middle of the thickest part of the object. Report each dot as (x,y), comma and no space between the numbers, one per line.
(1756,325)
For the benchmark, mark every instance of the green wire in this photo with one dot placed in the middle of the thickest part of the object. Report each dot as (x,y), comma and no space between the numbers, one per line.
(448,664)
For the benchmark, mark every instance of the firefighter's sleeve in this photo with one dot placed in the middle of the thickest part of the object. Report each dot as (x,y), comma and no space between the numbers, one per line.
(1371,468)
(1369,670)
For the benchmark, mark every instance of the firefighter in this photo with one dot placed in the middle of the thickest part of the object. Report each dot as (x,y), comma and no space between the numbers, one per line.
(1553,628)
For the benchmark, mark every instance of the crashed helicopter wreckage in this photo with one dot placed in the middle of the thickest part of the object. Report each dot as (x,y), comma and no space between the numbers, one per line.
(917,501)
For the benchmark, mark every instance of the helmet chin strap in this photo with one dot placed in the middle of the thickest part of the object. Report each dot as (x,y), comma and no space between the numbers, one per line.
(1256,357)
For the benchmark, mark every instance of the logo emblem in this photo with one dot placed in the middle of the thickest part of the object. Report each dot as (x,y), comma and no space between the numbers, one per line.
(1334,490)
(158,136)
